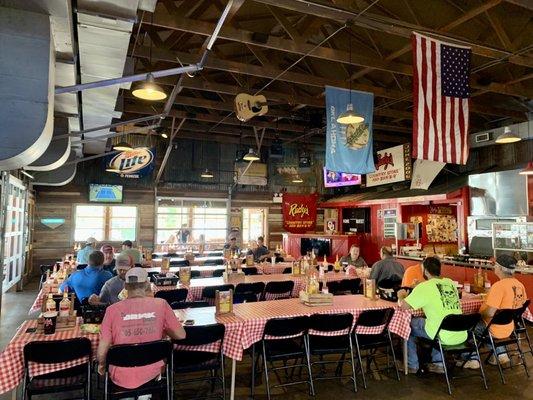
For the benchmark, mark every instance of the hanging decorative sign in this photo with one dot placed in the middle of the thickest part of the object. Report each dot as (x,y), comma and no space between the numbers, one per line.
(393,165)
(299,212)
(134,163)
(424,172)
(52,223)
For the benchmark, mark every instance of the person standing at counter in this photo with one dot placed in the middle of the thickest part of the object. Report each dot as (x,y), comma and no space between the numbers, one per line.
(387,268)
(507,293)
(354,258)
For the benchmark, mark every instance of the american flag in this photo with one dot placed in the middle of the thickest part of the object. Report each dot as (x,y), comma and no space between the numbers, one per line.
(441,73)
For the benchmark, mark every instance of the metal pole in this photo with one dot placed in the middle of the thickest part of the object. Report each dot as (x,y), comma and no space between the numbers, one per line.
(4,201)
(116,134)
(79,160)
(128,79)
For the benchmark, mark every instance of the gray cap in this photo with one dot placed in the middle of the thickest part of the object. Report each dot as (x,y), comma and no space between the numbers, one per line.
(136,275)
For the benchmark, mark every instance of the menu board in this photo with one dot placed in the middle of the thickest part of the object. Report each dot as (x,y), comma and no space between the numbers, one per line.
(512,236)
(389,223)
(441,228)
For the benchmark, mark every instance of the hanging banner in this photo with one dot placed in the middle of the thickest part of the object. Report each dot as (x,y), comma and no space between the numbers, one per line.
(424,172)
(349,148)
(135,163)
(299,212)
(393,165)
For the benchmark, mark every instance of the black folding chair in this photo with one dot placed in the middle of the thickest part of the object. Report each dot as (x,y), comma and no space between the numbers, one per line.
(256,288)
(139,355)
(352,286)
(284,339)
(180,263)
(246,297)
(457,323)
(250,271)
(172,296)
(278,290)
(338,328)
(190,361)
(503,317)
(195,274)
(58,351)
(214,261)
(334,287)
(44,268)
(287,270)
(377,320)
(218,273)
(171,255)
(188,304)
(208,292)
(520,326)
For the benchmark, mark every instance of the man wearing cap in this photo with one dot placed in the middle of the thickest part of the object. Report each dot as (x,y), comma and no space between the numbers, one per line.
(128,250)
(82,257)
(111,289)
(507,293)
(137,319)
(89,280)
(232,245)
(109,258)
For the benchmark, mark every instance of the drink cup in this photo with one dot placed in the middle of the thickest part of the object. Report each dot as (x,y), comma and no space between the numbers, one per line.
(49,322)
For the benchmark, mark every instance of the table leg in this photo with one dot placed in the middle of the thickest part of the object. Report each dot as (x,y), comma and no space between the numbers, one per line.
(405,357)
(232,387)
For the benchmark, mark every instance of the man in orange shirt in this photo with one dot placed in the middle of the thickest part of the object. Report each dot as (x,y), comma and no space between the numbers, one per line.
(507,293)
(413,276)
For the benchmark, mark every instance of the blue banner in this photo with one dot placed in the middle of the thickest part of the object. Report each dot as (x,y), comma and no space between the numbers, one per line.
(349,148)
(135,163)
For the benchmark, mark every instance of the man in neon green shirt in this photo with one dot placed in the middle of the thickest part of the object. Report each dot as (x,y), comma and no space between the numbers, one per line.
(437,297)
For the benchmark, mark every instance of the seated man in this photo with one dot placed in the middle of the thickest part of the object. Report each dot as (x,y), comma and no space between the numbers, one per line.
(232,245)
(128,250)
(354,258)
(507,293)
(437,297)
(137,319)
(89,280)
(387,268)
(111,289)
(82,256)
(260,252)
(413,276)
(109,258)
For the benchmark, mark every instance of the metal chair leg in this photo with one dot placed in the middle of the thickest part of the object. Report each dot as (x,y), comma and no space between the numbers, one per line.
(307,358)
(223,374)
(522,357)
(252,386)
(360,360)
(354,377)
(445,369)
(267,383)
(497,358)
(393,356)
(480,363)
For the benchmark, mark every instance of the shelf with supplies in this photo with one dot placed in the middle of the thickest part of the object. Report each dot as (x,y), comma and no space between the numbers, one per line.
(512,236)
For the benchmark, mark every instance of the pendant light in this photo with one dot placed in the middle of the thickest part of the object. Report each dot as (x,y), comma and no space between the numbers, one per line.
(507,137)
(528,170)
(251,156)
(297,179)
(349,116)
(207,174)
(122,146)
(149,90)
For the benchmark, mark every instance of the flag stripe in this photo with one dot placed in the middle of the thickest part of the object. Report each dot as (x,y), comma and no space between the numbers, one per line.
(440,103)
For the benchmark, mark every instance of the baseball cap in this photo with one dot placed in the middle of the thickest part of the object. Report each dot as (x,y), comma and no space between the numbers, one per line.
(506,261)
(123,261)
(127,243)
(106,248)
(136,275)
(91,240)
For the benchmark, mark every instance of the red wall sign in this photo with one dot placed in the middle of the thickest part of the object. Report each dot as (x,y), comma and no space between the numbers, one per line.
(299,212)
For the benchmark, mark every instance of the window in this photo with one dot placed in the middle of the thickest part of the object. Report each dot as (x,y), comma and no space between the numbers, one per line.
(112,223)
(253,224)
(206,217)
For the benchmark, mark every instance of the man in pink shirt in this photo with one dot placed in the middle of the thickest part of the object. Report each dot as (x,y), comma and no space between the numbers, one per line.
(137,319)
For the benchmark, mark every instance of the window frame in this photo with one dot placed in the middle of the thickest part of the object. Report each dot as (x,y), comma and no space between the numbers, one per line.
(107,220)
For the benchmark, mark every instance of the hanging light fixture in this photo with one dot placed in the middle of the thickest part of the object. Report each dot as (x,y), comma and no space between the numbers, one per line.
(28,175)
(164,135)
(207,174)
(527,170)
(349,116)
(149,90)
(122,146)
(297,179)
(251,156)
(507,137)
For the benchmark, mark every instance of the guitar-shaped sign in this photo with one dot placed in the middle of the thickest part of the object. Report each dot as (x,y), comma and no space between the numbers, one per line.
(247,107)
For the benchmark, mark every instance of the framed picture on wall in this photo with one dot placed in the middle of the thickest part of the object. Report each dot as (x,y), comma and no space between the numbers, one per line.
(330,225)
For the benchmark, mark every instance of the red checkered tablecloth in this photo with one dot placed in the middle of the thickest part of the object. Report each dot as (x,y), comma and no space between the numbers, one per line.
(38,303)
(205,271)
(12,361)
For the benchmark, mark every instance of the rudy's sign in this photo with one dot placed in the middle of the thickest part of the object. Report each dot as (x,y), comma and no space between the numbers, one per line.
(299,212)
(134,163)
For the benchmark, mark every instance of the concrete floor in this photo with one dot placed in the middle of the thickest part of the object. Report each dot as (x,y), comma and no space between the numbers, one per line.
(15,310)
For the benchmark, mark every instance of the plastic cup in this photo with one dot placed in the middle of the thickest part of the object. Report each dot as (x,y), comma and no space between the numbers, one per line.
(49,322)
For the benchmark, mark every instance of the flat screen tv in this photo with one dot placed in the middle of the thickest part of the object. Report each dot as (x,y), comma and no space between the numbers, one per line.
(105,193)
(336,179)
(321,247)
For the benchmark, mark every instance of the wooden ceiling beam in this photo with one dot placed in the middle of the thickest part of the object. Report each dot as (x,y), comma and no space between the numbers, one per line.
(303,79)
(528,4)
(500,32)
(286,24)
(397,27)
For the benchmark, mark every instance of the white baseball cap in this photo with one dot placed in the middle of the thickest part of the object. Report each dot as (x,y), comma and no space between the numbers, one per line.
(136,275)
(91,240)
